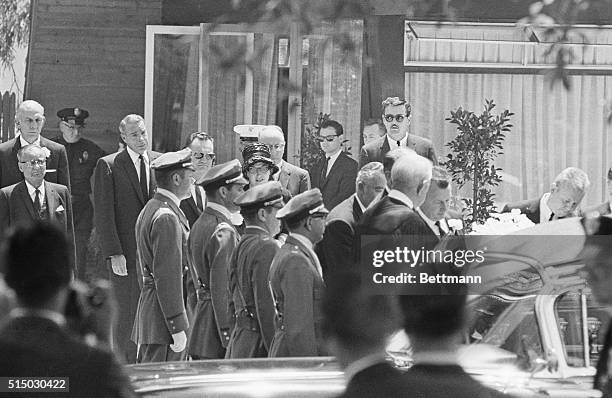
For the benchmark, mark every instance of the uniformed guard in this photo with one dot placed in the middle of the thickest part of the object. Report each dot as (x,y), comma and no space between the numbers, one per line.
(296,280)
(249,268)
(160,326)
(83,155)
(212,241)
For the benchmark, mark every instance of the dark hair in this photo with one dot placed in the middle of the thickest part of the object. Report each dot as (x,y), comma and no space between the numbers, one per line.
(333,124)
(164,177)
(395,101)
(37,263)
(377,122)
(354,316)
(197,135)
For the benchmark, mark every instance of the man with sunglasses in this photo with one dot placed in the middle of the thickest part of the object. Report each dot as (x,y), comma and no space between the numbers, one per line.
(335,174)
(292,178)
(34,199)
(563,200)
(396,116)
(202,159)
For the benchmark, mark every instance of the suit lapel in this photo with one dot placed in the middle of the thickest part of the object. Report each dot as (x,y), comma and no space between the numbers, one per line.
(123,159)
(283,177)
(152,181)
(356,209)
(52,200)
(334,168)
(22,196)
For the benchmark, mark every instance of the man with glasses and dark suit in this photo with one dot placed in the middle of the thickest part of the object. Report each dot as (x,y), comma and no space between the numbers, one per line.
(202,159)
(396,115)
(335,174)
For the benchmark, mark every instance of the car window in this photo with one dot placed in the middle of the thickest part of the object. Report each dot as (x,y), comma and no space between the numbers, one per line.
(508,323)
(582,333)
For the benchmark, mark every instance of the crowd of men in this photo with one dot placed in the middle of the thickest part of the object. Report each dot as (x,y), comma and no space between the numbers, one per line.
(251,258)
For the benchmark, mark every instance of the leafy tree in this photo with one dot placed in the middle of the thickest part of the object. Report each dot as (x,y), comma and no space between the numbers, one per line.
(14,28)
(478,142)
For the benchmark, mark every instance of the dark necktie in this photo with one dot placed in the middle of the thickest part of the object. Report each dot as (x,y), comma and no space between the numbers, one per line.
(198,196)
(440,230)
(552,215)
(324,169)
(399,144)
(143,179)
(37,206)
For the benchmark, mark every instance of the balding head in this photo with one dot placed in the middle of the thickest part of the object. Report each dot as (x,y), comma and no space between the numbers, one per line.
(273,137)
(30,119)
(134,132)
(411,175)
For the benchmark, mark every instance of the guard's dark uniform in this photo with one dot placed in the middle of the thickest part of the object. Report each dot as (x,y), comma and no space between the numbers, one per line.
(82,158)
(249,268)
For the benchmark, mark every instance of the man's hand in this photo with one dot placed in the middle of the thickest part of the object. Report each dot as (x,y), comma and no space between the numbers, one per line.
(118,264)
(180,341)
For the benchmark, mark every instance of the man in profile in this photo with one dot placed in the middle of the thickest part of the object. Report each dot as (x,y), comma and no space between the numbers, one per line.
(30,120)
(435,209)
(396,115)
(35,341)
(372,130)
(160,327)
(605,208)
(566,193)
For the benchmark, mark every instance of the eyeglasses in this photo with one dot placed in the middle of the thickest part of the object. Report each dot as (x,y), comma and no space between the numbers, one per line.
(200,155)
(277,147)
(328,138)
(259,170)
(398,118)
(35,162)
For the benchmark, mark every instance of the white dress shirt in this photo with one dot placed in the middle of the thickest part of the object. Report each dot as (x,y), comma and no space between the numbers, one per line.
(32,192)
(332,160)
(136,160)
(24,142)
(393,143)
(545,211)
(276,175)
(432,224)
(201,192)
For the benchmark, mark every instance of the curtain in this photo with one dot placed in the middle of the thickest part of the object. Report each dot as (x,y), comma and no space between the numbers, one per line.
(175,113)
(553,128)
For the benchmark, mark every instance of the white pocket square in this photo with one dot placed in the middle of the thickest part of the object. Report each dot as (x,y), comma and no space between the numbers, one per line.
(60,208)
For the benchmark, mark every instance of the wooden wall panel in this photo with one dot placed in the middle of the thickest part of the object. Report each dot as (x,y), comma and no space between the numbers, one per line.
(91,54)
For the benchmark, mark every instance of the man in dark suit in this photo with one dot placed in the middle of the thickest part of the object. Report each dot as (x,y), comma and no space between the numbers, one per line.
(435,209)
(337,250)
(605,208)
(123,184)
(394,214)
(396,115)
(160,327)
(335,174)
(292,178)
(296,279)
(249,268)
(30,119)
(34,340)
(35,199)
(598,273)
(566,193)
(211,242)
(356,326)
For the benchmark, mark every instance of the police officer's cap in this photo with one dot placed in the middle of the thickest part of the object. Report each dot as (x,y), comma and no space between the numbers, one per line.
(303,205)
(223,174)
(77,114)
(248,132)
(257,152)
(173,160)
(267,194)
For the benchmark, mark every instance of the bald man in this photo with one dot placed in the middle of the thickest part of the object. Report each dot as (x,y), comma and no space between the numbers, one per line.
(30,120)
(292,178)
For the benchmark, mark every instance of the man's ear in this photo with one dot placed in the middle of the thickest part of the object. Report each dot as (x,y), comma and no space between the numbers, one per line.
(553,187)
(21,166)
